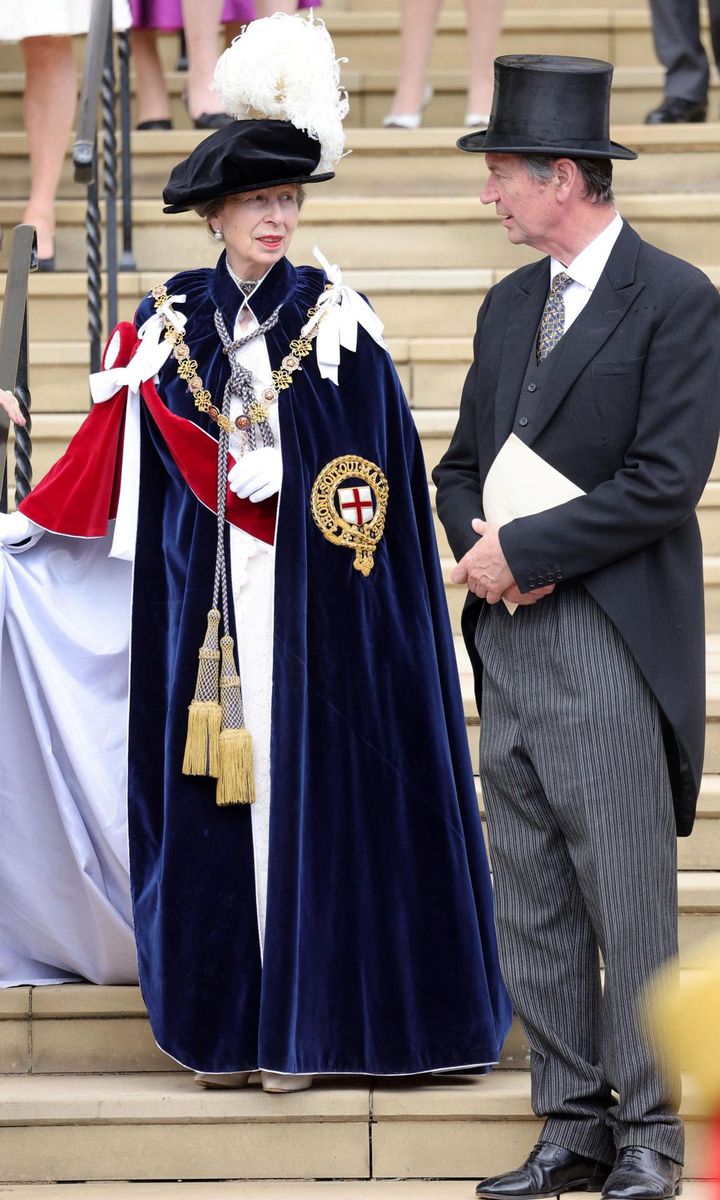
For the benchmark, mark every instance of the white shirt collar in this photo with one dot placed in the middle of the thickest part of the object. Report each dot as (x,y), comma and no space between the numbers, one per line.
(587,267)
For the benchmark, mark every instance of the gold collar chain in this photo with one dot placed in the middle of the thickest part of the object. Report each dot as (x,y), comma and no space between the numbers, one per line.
(187,370)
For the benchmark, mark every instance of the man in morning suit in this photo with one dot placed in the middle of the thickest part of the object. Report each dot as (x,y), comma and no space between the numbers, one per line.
(602,357)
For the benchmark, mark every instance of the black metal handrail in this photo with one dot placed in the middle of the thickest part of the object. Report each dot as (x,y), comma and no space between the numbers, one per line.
(14,360)
(98,89)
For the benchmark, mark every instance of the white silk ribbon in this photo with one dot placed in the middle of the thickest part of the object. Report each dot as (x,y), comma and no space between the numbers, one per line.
(152,355)
(340,309)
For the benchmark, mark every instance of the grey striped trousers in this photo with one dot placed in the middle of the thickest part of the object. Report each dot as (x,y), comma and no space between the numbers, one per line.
(582,839)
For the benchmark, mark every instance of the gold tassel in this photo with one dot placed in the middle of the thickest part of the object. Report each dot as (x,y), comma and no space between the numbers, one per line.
(203,738)
(236,778)
(205,714)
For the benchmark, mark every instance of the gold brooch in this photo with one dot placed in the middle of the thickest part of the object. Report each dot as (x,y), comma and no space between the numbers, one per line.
(349,503)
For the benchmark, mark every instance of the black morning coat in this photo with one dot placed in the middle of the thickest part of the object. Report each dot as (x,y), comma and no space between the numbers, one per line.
(630,414)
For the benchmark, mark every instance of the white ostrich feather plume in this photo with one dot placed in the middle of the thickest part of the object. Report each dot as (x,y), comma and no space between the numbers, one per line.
(284,68)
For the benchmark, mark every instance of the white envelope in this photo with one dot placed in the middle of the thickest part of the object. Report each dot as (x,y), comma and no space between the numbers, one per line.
(520,483)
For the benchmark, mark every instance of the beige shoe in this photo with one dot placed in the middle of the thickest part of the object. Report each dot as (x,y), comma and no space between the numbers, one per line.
(409,120)
(237,1079)
(477,120)
(272,1081)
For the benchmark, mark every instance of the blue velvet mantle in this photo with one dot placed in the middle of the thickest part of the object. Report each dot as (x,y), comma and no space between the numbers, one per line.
(380,953)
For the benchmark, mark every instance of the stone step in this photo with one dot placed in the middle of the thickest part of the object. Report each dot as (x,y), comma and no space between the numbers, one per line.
(370,38)
(394,1189)
(82,1029)
(636,89)
(397,162)
(59,378)
(414,304)
(160,1127)
(623,37)
(374,6)
(429,315)
(386,232)
(370,1189)
(59,382)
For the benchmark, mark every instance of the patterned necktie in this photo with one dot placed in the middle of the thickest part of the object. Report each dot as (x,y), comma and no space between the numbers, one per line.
(552,321)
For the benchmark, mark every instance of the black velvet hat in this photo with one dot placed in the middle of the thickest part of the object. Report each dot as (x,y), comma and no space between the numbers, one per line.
(549,104)
(241,157)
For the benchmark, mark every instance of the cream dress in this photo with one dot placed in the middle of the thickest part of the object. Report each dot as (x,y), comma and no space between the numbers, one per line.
(42,18)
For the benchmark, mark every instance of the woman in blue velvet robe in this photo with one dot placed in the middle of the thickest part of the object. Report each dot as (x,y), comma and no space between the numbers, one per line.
(374,952)
(342,924)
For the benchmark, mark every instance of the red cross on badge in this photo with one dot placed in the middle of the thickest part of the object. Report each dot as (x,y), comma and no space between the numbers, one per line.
(356,504)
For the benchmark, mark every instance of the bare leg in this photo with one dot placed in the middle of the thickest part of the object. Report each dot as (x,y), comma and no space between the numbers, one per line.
(50,95)
(152,97)
(484,24)
(266,8)
(417,19)
(202,19)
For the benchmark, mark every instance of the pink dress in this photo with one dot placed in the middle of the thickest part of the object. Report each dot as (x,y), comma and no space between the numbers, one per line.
(167,14)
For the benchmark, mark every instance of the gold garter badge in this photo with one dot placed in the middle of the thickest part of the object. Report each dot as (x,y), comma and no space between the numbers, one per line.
(349,502)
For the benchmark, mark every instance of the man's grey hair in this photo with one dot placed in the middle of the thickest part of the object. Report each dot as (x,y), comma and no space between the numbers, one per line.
(596,173)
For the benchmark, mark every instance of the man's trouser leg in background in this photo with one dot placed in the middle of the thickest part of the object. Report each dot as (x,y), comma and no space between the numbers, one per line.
(676,31)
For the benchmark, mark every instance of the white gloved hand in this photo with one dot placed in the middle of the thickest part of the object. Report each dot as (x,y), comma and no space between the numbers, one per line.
(16,528)
(257,475)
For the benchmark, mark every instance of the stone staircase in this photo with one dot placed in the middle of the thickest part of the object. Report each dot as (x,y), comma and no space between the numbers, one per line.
(85,1095)
(91,1097)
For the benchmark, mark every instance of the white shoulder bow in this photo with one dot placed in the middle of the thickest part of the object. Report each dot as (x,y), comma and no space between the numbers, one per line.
(149,358)
(340,309)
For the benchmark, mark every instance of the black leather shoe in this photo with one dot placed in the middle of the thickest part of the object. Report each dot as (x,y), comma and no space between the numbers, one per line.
(642,1174)
(674,111)
(548,1171)
(216,120)
(148,126)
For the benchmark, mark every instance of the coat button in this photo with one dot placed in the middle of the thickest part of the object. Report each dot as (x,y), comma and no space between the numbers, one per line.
(532,387)
(523,421)
(549,578)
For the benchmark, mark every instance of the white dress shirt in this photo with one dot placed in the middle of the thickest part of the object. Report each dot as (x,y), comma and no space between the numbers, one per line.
(586,269)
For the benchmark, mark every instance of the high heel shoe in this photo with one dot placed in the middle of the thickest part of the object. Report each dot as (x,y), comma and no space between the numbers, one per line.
(238,1079)
(409,120)
(156,124)
(216,120)
(213,120)
(47,263)
(272,1081)
(477,120)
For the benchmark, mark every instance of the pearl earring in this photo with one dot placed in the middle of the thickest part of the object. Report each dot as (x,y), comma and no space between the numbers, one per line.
(217,234)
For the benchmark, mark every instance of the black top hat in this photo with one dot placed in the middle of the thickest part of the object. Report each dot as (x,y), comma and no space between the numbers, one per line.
(240,157)
(549,104)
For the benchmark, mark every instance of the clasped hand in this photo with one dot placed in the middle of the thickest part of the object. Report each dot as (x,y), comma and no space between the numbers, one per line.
(16,531)
(485,571)
(257,475)
(12,408)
